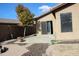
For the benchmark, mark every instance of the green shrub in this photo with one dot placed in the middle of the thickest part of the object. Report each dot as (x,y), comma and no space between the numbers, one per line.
(55,41)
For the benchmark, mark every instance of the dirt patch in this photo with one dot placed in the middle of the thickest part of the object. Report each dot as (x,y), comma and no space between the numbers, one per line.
(37,49)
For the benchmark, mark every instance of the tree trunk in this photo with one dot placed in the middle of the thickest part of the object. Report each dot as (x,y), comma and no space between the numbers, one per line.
(24,31)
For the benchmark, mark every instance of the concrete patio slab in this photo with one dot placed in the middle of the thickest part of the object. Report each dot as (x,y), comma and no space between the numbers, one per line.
(39,39)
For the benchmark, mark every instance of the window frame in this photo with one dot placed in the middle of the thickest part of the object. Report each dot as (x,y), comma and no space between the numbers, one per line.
(71,28)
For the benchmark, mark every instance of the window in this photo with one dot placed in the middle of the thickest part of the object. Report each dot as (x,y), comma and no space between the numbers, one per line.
(47,27)
(66,22)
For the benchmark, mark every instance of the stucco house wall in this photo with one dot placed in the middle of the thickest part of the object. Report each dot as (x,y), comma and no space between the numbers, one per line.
(49,17)
(74,9)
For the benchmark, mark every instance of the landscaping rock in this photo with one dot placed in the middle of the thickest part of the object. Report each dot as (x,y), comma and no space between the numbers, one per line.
(21,39)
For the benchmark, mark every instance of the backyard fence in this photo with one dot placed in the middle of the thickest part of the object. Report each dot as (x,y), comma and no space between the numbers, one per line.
(8,32)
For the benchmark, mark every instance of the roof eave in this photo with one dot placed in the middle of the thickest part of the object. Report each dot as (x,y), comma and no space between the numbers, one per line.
(53,9)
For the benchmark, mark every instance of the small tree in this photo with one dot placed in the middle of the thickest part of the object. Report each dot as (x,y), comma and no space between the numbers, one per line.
(25,16)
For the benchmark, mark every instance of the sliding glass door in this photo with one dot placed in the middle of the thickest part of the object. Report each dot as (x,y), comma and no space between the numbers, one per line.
(47,27)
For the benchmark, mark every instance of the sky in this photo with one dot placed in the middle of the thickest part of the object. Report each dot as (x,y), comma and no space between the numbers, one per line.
(8,10)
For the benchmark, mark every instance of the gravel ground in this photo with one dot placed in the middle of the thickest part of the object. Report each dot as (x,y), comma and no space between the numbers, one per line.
(63,50)
(37,49)
(14,50)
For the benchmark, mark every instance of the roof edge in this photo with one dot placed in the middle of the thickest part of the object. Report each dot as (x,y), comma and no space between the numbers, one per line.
(53,9)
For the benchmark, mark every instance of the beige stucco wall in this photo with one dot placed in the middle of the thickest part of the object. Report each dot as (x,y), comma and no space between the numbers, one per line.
(49,17)
(74,9)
